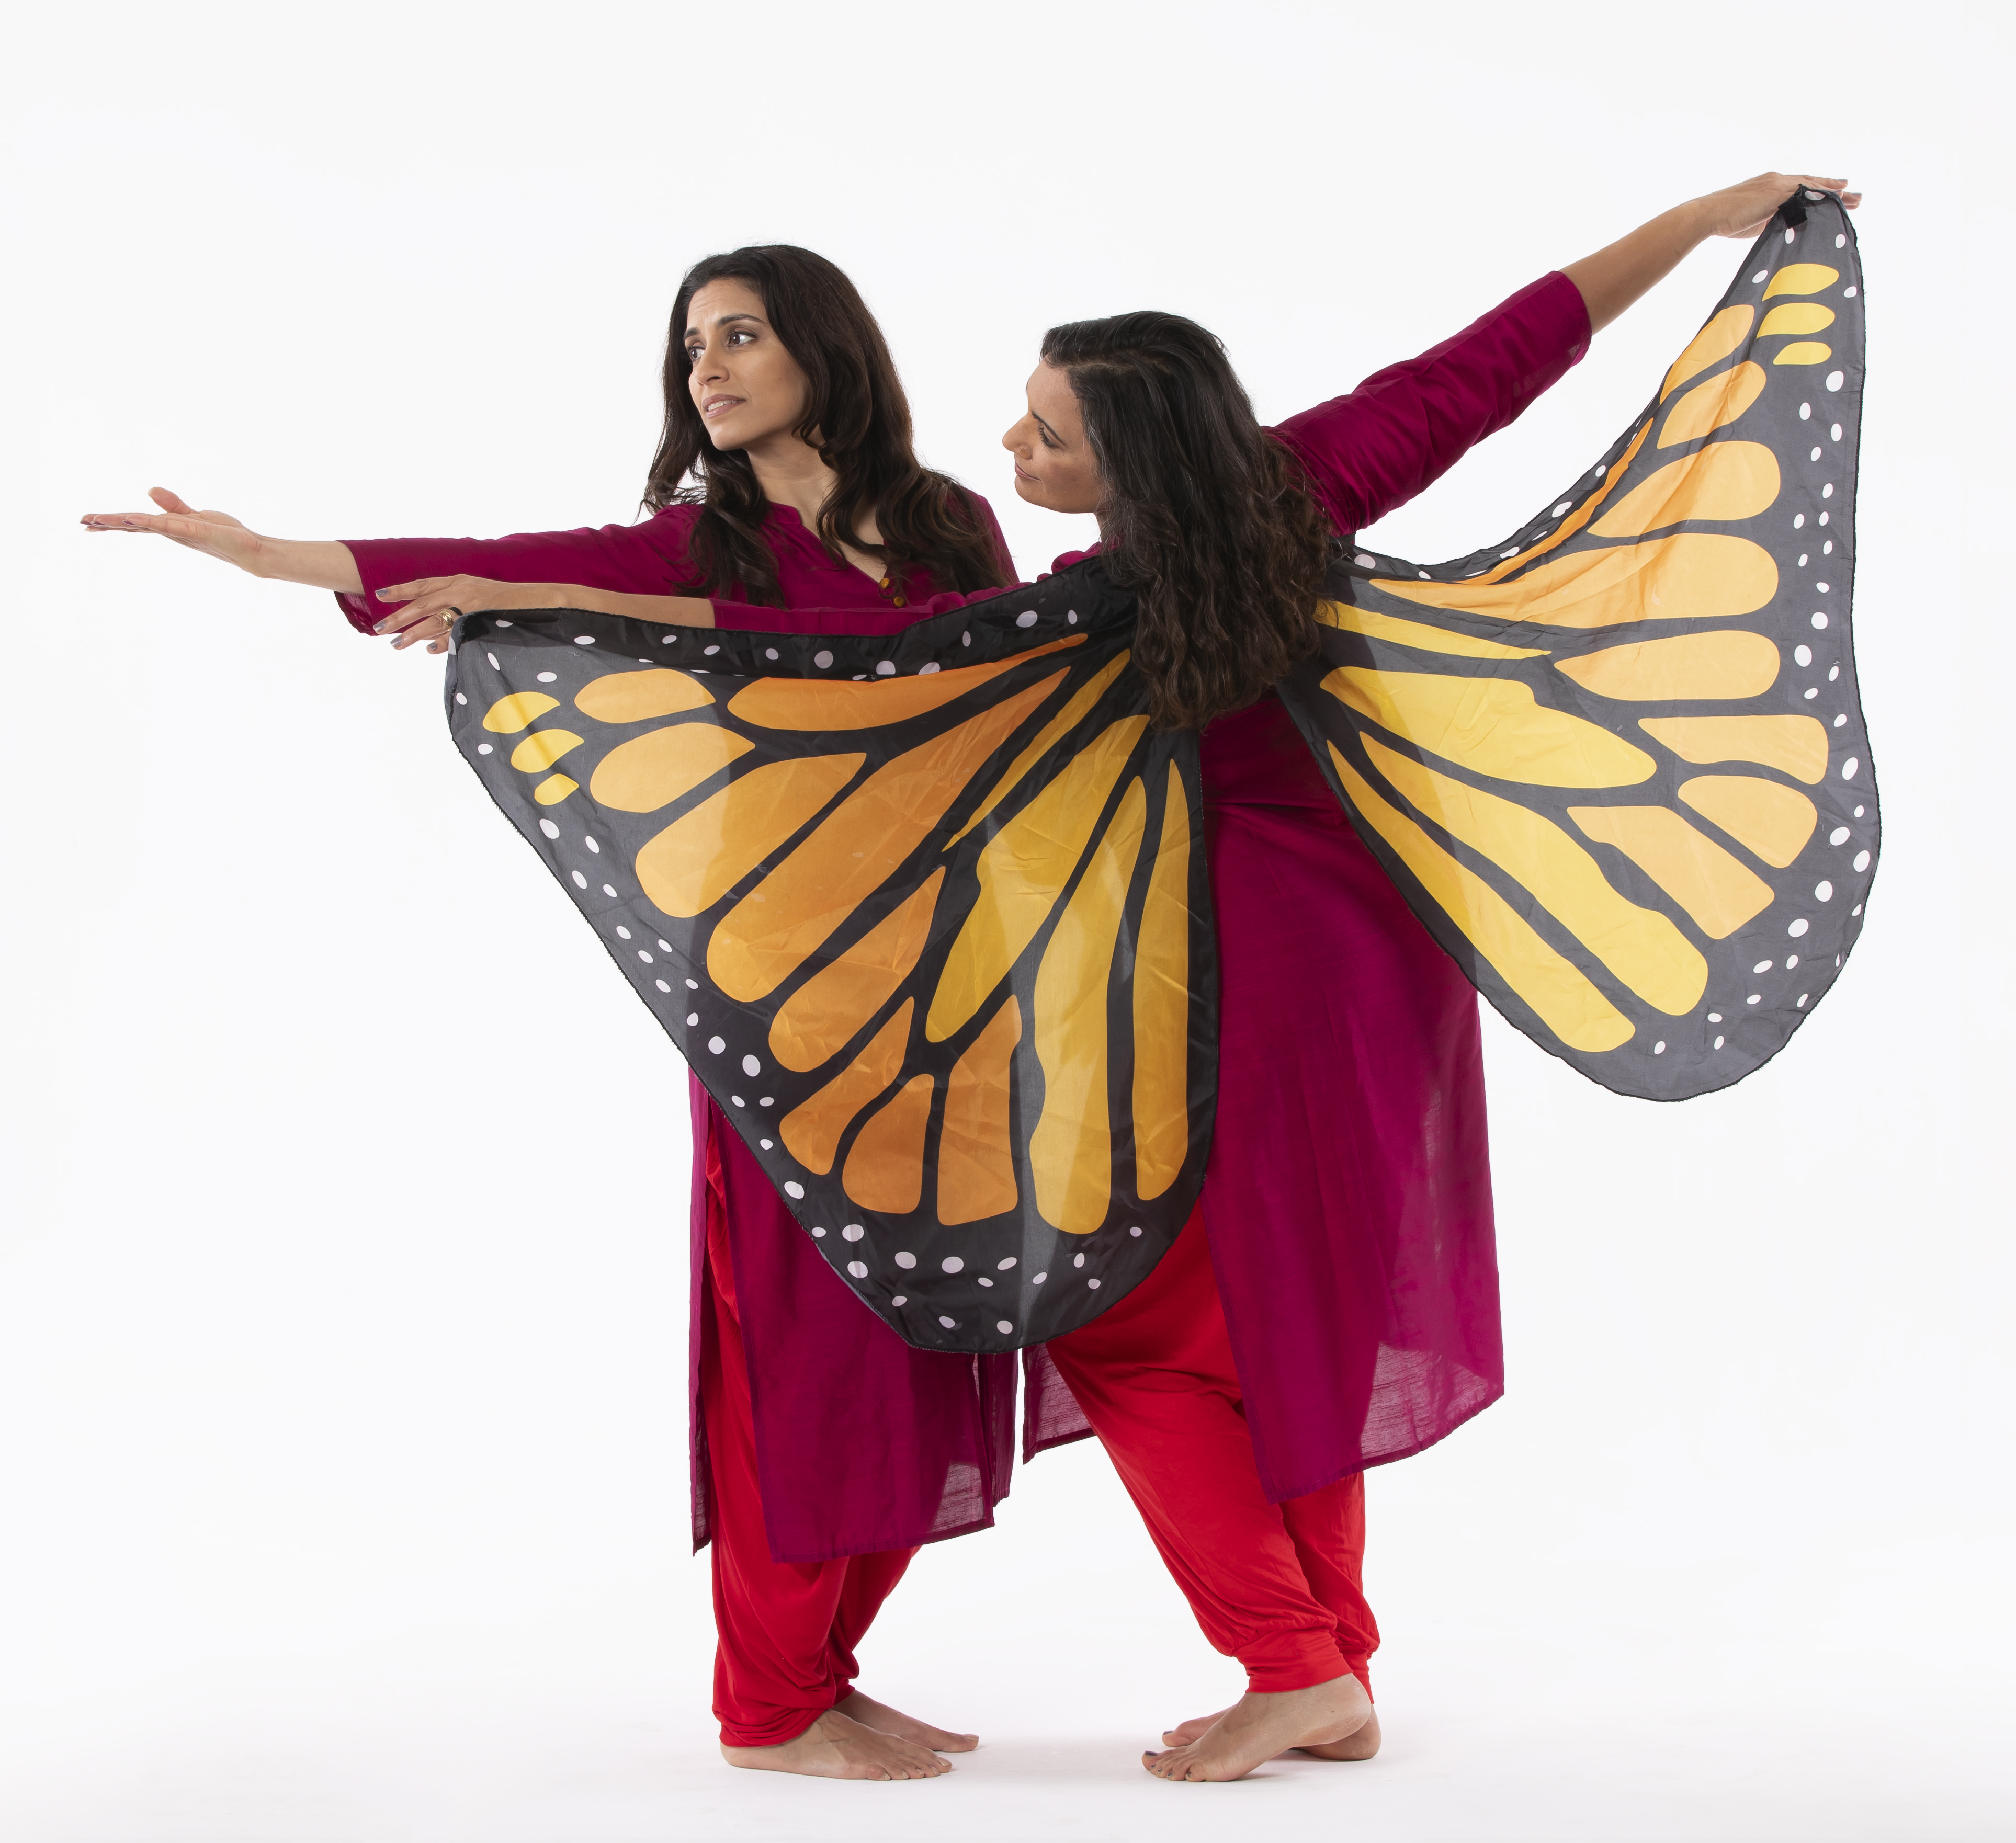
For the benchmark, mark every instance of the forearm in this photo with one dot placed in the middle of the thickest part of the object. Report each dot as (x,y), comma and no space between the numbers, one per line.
(317,562)
(1616,275)
(666,611)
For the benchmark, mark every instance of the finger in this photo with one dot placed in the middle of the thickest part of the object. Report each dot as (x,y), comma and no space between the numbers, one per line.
(435,629)
(129,521)
(412,615)
(169,501)
(407,592)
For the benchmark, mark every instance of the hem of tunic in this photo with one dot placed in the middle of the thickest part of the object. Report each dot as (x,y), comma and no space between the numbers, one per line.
(1029,1451)
(1385,1459)
(812,1557)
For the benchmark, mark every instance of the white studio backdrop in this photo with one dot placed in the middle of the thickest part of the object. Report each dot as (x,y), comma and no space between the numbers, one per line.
(342,1283)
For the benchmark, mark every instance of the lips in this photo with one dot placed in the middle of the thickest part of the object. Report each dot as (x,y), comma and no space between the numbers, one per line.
(716,406)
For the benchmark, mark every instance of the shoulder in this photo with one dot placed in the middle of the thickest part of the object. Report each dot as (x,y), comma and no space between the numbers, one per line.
(673,525)
(989,526)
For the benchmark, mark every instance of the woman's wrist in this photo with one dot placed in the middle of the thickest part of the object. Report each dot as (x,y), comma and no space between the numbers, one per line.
(317,563)
(1696,224)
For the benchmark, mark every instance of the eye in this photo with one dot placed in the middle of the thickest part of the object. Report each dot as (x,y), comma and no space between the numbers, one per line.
(693,353)
(741,334)
(1043,436)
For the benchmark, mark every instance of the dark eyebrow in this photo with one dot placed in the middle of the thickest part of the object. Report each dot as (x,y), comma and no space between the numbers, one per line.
(723,321)
(1048,430)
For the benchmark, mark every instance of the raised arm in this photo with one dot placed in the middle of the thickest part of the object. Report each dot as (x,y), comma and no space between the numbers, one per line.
(1404,427)
(1617,274)
(1374,449)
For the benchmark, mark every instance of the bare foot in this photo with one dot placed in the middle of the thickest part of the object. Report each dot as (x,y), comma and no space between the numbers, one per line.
(837,1747)
(1360,1746)
(1184,1732)
(880,1715)
(1258,1726)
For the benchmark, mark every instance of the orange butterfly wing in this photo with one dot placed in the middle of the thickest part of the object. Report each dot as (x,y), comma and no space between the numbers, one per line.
(1618,766)
(928,915)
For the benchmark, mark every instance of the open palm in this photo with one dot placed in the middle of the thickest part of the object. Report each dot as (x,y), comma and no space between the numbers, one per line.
(215,533)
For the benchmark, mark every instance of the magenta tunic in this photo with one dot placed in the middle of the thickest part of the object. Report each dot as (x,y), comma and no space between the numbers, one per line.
(863,1443)
(1347,1194)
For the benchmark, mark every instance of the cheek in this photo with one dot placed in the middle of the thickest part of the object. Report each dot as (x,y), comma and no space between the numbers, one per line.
(775,374)
(1082,479)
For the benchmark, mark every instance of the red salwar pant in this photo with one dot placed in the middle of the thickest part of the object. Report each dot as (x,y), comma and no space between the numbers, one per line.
(1275,1585)
(785,1631)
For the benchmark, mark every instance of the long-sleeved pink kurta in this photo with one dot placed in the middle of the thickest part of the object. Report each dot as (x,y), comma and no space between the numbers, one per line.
(1348,1195)
(938,1459)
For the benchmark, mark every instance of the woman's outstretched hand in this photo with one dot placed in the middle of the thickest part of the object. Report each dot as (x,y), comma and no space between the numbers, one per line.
(433,603)
(219,535)
(1743,210)
(215,533)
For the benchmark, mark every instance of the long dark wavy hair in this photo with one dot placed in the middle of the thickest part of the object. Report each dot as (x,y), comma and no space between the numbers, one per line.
(856,415)
(1206,517)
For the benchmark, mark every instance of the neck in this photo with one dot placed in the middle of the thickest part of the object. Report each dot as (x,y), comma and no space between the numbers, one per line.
(791,473)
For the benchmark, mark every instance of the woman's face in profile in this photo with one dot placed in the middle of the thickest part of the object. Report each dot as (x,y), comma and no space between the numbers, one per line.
(745,386)
(1054,466)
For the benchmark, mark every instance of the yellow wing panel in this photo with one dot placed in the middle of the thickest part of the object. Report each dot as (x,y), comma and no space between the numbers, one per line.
(1718,891)
(1022,872)
(1492,725)
(1162,1005)
(1640,946)
(1070,1152)
(1562,997)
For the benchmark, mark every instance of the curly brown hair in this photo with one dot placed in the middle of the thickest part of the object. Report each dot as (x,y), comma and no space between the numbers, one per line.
(1206,517)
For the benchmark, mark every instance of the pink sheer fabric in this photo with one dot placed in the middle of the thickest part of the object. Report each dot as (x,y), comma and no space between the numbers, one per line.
(1347,1197)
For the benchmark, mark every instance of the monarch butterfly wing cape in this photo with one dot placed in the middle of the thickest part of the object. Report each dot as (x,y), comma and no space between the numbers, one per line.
(927,914)
(1617,765)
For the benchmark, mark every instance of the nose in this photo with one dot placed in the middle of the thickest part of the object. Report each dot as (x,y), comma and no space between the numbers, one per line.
(709,368)
(1015,440)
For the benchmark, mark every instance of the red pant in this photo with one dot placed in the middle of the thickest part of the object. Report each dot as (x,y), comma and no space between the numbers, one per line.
(1275,1585)
(785,1631)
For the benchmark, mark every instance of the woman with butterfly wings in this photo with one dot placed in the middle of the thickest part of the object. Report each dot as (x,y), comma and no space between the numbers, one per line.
(1332,1303)
(781,397)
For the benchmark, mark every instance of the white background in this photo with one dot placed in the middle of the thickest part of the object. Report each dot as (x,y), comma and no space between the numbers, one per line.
(342,1289)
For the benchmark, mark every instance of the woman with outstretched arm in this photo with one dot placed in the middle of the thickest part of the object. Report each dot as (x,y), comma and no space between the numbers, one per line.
(782,399)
